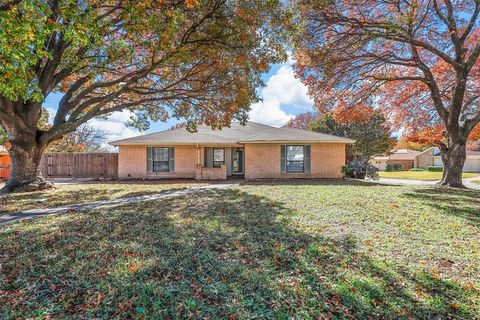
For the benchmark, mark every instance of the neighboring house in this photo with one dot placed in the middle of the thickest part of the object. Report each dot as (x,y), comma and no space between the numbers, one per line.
(433,157)
(254,151)
(405,158)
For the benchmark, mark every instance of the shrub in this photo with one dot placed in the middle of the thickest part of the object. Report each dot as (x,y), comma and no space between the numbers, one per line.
(435,168)
(345,170)
(359,169)
(393,167)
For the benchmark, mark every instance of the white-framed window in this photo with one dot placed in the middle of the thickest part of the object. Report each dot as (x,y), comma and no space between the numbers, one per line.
(295,159)
(160,159)
(218,157)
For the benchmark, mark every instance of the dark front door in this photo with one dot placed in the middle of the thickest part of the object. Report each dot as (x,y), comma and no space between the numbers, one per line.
(237,161)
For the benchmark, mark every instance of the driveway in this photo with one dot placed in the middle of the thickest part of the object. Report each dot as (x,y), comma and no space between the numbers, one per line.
(467,182)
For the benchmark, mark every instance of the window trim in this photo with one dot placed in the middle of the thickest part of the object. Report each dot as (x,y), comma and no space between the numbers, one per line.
(165,161)
(295,161)
(213,158)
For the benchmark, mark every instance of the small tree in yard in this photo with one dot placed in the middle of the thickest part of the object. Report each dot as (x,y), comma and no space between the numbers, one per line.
(85,138)
(200,60)
(367,126)
(416,59)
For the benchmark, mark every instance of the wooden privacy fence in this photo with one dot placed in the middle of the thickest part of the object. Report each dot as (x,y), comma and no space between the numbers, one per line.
(79,165)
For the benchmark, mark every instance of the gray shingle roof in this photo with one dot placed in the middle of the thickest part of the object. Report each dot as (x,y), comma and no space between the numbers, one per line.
(250,133)
(469,153)
(292,134)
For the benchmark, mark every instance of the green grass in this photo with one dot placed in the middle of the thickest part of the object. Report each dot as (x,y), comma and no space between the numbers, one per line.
(476,181)
(419,175)
(260,250)
(64,194)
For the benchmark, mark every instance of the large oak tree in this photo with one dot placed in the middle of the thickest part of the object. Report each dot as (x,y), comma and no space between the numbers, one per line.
(417,59)
(199,60)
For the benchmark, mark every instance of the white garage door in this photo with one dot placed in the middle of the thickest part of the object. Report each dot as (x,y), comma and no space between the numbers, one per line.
(380,165)
(472,165)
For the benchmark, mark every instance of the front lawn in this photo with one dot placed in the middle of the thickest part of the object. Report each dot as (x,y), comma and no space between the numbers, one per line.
(419,175)
(304,250)
(64,194)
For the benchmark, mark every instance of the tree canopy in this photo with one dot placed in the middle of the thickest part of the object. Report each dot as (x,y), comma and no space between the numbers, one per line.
(199,60)
(418,60)
(367,126)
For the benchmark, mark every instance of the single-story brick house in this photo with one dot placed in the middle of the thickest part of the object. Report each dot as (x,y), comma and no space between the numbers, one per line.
(433,157)
(253,151)
(403,158)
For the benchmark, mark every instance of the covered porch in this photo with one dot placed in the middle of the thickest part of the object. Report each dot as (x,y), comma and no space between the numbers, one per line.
(217,162)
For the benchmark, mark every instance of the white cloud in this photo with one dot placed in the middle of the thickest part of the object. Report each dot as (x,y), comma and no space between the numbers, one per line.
(114,127)
(281,89)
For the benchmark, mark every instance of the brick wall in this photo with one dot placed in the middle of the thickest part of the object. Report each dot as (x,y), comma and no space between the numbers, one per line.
(262,161)
(203,173)
(425,159)
(405,164)
(132,163)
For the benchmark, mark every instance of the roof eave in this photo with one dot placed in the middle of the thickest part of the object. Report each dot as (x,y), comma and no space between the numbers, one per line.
(171,143)
(190,143)
(297,141)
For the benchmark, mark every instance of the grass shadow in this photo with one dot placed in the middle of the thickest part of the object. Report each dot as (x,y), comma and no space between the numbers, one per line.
(462,203)
(214,254)
(314,182)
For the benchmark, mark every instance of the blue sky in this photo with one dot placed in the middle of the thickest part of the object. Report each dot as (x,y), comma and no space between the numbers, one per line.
(283,97)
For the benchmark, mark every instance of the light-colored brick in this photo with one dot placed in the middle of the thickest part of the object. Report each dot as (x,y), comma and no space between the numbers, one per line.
(262,161)
(424,160)
(132,163)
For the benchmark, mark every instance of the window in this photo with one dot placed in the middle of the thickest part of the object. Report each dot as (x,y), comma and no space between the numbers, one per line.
(218,157)
(160,160)
(295,159)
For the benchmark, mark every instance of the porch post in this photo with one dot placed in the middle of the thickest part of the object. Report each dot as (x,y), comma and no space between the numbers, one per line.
(198,167)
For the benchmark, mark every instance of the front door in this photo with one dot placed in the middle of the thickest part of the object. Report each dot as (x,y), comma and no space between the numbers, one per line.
(237,161)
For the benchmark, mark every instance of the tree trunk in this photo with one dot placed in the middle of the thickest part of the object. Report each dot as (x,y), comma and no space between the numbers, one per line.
(25,173)
(453,160)
(27,145)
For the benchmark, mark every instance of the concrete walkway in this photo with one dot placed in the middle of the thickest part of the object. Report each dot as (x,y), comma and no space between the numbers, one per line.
(37,213)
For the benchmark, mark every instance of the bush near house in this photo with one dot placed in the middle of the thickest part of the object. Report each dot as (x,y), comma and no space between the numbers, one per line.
(360,169)
(435,168)
(393,167)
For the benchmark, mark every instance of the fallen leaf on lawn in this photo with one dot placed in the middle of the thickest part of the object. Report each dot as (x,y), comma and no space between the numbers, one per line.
(124,306)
